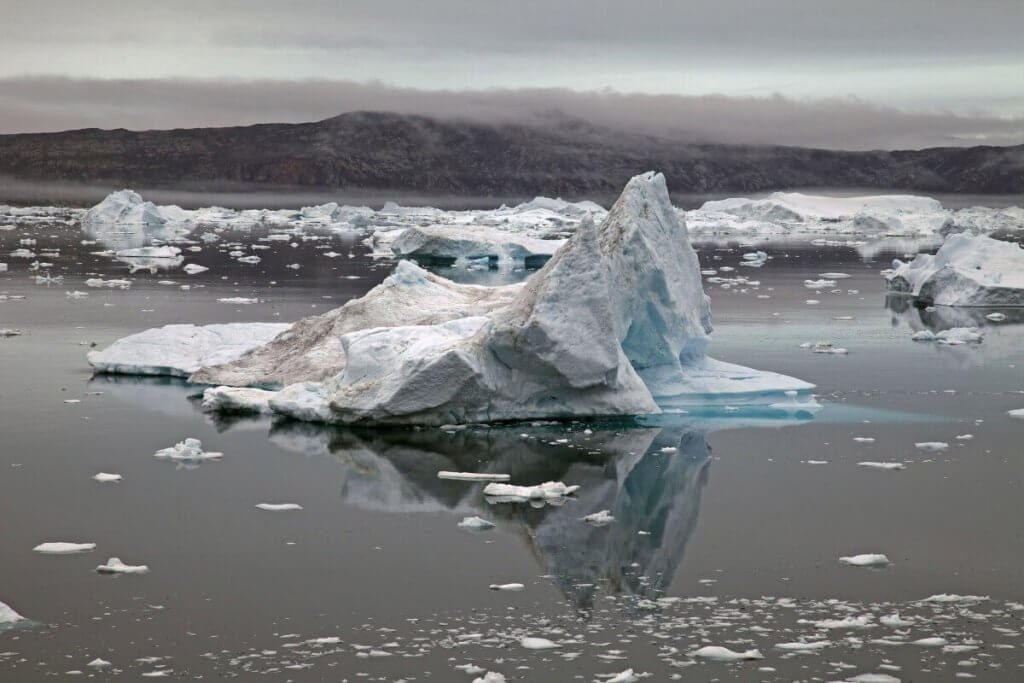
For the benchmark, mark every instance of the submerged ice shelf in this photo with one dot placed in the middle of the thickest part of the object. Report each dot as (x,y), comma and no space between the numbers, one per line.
(616,323)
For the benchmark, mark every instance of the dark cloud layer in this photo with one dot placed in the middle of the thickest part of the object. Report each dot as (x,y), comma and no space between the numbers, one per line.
(39,104)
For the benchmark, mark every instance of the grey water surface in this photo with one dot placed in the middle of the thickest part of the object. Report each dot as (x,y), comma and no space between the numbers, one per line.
(730,539)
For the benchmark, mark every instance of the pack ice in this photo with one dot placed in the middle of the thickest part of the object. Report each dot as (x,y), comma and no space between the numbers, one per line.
(967,270)
(615,323)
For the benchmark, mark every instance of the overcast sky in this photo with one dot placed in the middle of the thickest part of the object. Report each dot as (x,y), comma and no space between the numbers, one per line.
(889,66)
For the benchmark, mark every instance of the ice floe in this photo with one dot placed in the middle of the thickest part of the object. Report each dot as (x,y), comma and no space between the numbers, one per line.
(189,450)
(718,653)
(866,560)
(107,478)
(473,476)
(278,507)
(550,490)
(8,615)
(63,548)
(116,566)
(476,524)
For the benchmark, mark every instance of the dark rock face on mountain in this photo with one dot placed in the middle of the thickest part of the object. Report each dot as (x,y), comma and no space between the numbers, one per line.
(378,151)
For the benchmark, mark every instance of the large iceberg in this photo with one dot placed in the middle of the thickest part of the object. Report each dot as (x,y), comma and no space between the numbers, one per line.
(968,270)
(616,323)
(447,245)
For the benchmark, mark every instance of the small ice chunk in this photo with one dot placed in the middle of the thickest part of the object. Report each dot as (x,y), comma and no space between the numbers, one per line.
(476,524)
(717,653)
(546,491)
(238,300)
(62,548)
(1018,413)
(873,678)
(894,620)
(535,643)
(278,507)
(626,676)
(106,477)
(189,450)
(931,445)
(513,587)
(996,317)
(490,677)
(98,663)
(864,439)
(882,465)
(866,560)
(804,647)
(194,268)
(934,641)
(237,400)
(473,476)
(116,566)
(602,518)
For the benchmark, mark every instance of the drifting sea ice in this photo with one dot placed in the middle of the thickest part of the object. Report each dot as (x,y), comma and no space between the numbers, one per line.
(882,465)
(278,507)
(535,643)
(63,548)
(931,445)
(866,560)
(476,524)
(106,477)
(189,450)
(511,587)
(473,476)
(490,677)
(511,493)
(717,653)
(237,400)
(116,566)
(602,518)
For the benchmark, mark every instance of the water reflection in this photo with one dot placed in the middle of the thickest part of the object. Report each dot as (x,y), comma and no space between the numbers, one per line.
(649,478)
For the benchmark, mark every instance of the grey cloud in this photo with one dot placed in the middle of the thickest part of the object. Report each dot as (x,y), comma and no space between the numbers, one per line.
(52,103)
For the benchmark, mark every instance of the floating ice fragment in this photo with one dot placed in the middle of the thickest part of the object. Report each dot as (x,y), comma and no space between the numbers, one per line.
(473,476)
(476,524)
(105,477)
(894,620)
(866,560)
(62,548)
(627,676)
(194,268)
(98,663)
(237,400)
(1017,413)
(490,677)
(717,653)
(602,518)
(864,439)
(238,300)
(934,641)
(882,465)
(804,647)
(931,445)
(534,643)
(545,491)
(116,566)
(513,587)
(873,678)
(189,450)
(278,507)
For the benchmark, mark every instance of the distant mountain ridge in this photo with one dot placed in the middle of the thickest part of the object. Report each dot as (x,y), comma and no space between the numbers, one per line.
(402,153)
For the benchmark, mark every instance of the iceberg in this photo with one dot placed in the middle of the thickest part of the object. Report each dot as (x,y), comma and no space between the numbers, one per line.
(967,270)
(180,350)
(126,207)
(615,323)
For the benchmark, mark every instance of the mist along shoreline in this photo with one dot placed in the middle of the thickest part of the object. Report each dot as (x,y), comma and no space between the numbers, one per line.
(19,192)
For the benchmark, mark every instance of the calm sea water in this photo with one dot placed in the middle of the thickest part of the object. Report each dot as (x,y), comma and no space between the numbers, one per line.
(731,540)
